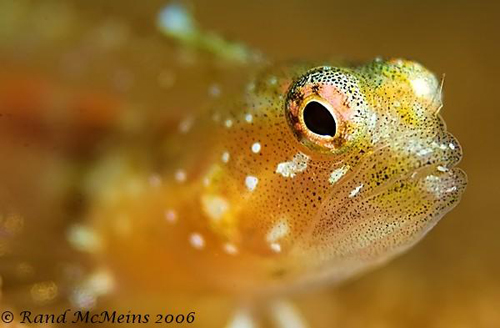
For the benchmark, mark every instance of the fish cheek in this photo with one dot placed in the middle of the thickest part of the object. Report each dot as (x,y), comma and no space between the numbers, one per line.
(382,206)
(377,226)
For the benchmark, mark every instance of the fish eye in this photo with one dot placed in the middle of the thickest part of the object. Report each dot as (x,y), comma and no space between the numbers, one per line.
(317,109)
(319,119)
(315,123)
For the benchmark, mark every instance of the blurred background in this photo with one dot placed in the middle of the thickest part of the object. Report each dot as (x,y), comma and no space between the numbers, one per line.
(450,279)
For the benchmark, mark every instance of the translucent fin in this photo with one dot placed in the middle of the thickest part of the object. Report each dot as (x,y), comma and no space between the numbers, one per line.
(176,22)
(285,315)
(243,318)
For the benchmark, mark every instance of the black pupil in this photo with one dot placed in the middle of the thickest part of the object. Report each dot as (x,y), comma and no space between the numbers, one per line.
(319,120)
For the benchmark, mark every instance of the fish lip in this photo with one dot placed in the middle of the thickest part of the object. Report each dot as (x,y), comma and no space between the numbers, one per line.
(446,154)
(440,166)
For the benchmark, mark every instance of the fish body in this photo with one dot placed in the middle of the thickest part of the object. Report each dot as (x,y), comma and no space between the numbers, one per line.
(259,197)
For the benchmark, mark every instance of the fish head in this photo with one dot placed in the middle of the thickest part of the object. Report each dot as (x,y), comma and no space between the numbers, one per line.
(353,165)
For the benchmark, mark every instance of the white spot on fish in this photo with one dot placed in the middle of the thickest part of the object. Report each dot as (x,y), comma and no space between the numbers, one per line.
(214,206)
(296,165)
(225,157)
(180,175)
(434,185)
(442,168)
(275,247)
(278,231)
(249,118)
(228,123)
(256,147)
(452,146)
(197,241)
(424,152)
(251,182)
(356,190)
(338,173)
(286,315)
(155,180)
(214,90)
(273,80)
(101,282)
(250,87)
(95,285)
(82,299)
(432,178)
(83,238)
(230,249)
(242,319)
(421,87)
(170,216)
(185,125)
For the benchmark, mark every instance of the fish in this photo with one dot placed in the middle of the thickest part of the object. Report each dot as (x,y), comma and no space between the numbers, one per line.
(319,173)
(304,176)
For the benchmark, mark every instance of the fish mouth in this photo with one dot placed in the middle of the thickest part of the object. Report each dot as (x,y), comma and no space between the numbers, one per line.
(417,159)
(437,169)
(397,194)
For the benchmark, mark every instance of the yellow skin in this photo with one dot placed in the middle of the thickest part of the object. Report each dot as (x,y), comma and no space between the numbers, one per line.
(242,199)
(262,204)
